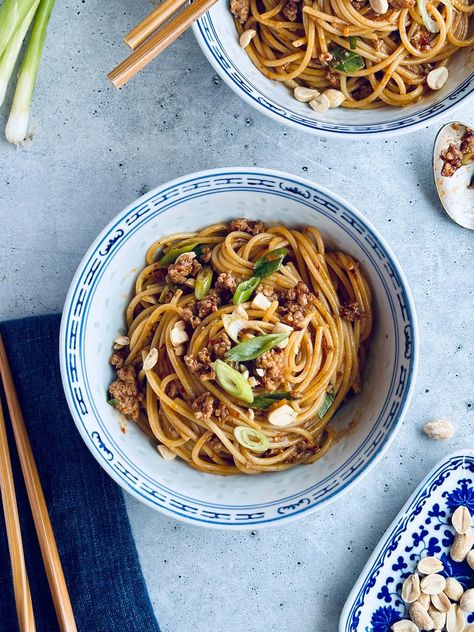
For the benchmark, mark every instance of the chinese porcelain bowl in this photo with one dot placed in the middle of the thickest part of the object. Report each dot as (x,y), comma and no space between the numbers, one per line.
(93,316)
(217,36)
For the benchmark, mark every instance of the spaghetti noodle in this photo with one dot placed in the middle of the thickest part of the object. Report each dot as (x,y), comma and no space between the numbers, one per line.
(374,59)
(242,343)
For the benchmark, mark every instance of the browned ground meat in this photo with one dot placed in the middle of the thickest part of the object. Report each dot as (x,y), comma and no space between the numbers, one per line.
(167,294)
(421,39)
(362,92)
(358,5)
(184,268)
(125,391)
(189,314)
(401,4)
(295,304)
(268,292)
(333,78)
(293,316)
(226,283)
(302,451)
(205,256)
(174,389)
(351,311)
(240,9)
(203,406)
(117,359)
(452,157)
(246,226)
(209,304)
(274,364)
(159,275)
(222,411)
(219,345)
(467,142)
(290,11)
(201,365)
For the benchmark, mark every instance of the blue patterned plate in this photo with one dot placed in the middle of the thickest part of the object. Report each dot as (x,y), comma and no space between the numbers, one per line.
(423,527)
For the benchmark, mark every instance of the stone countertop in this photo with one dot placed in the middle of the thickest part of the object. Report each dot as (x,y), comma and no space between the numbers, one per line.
(94,151)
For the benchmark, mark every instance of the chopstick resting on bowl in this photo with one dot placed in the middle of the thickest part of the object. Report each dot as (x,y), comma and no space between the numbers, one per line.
(148,40)
(39,510)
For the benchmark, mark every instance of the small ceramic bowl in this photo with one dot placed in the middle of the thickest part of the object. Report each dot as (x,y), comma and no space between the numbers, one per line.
(422,528)
(217,36)
(94,315)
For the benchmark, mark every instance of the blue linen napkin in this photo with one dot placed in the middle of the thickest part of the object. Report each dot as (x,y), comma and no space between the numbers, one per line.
(86,507)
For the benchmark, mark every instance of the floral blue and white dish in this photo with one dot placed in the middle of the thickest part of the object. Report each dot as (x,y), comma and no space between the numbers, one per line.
(93,315)
(217,36)
(422,528)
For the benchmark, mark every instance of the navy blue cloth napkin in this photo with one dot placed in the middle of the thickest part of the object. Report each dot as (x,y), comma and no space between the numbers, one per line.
(86,507)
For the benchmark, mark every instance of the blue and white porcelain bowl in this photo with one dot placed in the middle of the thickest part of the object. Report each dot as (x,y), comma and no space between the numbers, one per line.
(93,316)
(217,36)
(422,528)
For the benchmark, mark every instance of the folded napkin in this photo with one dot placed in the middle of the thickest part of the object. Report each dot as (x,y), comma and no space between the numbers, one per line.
(86,507)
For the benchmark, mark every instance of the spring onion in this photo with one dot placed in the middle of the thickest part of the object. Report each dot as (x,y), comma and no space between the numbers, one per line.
(10,56)
(251,439)
(263,402)
(165,291)
(255,347)
(203,282)
(12,15)
(233,382)
(428,21)
(17,124)
(328,400)
(113,402)
(467,159)
(353,42)
(174,253)
(269,263)
(346,61)
(245,290)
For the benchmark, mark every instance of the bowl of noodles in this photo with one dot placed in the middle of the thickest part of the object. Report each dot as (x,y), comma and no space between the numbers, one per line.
(357,68)
(238,347)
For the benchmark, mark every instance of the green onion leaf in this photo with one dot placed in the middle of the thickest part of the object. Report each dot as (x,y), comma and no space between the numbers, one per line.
(251,439)
(346,60)
(255,347)
(269,263)
(265,401)
(203,282)
(12,14)
(428,21)
(467,159)
(233,382)
(168,288)
(353,42)
(326,404)
(245,290)
(173,254)
(113,402)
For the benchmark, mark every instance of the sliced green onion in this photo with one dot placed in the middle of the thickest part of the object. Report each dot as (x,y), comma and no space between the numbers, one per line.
(245,290)
(203,282)
(269,263)
(113,402)
(346,61)
(328,400)
(353,42)
(17,124)
(467,159)
(428,21)
(12,15)
(265,401)
(164,292)
(233,382)
(173,254)
(10,56)
(251,439)
(255,347)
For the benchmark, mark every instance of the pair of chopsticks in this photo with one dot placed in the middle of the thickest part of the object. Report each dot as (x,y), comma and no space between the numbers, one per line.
(47,542)
(148,39)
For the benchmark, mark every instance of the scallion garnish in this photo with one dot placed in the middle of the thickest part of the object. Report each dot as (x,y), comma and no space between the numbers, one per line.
(269,263)
(113,402)
(233,382)
(326,405)
(263,402)
(245,290)
(203,282)
(173,254)
(255,347)
(346,61)
(251,439)
(353,42)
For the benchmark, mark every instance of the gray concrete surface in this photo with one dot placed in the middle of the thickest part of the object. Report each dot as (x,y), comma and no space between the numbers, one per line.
(94,151)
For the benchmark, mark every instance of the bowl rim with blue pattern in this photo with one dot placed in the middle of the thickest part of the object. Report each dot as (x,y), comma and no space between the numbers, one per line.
(216,35)
(94,303)
(421,528)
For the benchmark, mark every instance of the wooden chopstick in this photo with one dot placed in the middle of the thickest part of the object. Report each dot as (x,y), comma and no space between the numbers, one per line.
(21,586)
(39,510)
(152,22)
(157,43)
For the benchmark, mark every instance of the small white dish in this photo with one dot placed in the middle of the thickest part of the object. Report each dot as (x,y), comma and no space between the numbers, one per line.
(217,36)
(94,315)
(422,528)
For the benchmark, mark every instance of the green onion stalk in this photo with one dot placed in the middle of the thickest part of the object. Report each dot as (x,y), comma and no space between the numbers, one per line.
(10,55)
(12,15)
(17,125)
